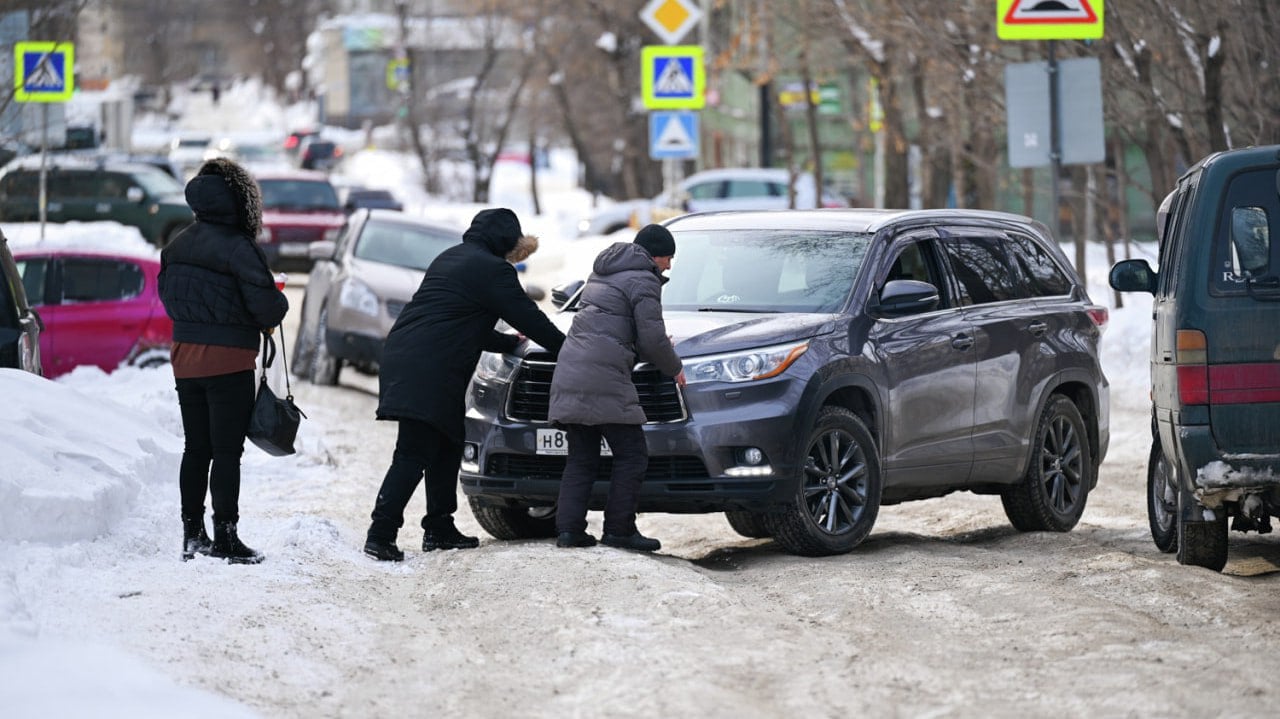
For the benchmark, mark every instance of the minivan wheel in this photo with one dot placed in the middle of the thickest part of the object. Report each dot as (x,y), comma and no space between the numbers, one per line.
(324,366)
(1052,494)
(1162,500)
(1203,544)
(514,522)
(748,524)
(837,493)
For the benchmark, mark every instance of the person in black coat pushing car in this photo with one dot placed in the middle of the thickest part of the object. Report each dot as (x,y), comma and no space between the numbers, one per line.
(215,285)
(427,362)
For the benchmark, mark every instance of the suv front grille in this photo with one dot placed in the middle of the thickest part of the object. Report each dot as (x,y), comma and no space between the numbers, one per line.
(531,466)
(531,393)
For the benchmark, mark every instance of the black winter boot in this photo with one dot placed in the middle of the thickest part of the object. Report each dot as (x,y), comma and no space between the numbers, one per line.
(227,545)
(194,539)
(446,536)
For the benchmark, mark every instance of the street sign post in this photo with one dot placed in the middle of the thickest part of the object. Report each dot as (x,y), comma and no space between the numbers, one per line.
(1049,19)
(672,77)
(43,72)
(671,19)
(673,135)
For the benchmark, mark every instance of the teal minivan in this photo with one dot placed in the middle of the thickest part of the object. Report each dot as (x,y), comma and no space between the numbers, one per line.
(1215,355)
(88,190)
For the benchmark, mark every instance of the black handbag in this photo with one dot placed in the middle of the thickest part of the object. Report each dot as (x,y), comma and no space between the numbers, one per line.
(274,423)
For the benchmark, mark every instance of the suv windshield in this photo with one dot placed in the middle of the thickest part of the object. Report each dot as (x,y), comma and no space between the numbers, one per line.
(764,270)
(401,245)
(298,195)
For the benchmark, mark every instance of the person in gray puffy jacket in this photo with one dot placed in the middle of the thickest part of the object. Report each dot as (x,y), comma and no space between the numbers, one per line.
(618,324)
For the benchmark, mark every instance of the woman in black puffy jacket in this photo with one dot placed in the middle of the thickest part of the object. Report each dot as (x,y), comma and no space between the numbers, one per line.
(217,288)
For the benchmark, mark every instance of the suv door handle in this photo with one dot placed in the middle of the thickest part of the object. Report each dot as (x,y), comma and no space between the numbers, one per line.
(962,342)
(1037,328)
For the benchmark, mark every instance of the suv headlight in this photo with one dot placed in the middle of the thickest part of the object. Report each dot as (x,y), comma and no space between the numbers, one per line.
(495,367)
(357,296)
(744,366)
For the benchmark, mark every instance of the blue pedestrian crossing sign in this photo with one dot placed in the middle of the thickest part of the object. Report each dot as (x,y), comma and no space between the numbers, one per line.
(672,77)
(673,135)
(43,71)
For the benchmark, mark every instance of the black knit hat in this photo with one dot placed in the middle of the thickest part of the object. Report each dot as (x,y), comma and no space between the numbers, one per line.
(656,240)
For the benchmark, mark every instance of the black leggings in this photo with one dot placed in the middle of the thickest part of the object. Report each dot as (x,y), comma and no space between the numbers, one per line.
(215,418)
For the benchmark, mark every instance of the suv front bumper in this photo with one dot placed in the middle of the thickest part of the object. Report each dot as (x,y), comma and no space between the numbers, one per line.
(695,464)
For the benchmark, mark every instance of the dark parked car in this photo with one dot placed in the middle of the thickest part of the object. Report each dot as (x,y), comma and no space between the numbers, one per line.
(837,360)
(86,189)
(358,287)
(1215,355)
(317,153)
(20,326)
(355,198)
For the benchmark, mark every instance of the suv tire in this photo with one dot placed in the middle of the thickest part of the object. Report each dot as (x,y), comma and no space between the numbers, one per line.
(325,368)
(1052,494)
(748,524)
(1162,500)
(514,522)
(837,494)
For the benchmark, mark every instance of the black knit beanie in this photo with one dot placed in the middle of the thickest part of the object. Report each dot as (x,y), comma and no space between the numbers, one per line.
(656,240)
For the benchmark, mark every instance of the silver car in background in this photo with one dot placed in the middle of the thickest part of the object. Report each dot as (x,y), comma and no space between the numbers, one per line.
(359,285)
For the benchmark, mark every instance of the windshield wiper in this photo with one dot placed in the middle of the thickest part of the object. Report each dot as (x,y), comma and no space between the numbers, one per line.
(743,310)
(1269,286)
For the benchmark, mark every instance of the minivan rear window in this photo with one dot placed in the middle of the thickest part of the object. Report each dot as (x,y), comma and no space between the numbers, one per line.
(1244,249)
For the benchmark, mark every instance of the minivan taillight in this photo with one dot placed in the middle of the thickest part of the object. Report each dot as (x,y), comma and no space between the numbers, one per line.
(1193,373)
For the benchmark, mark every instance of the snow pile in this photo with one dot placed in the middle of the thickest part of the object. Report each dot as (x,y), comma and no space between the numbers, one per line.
(96,236)
(74,462)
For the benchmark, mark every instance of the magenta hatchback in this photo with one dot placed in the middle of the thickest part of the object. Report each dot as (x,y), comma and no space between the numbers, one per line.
(99,307)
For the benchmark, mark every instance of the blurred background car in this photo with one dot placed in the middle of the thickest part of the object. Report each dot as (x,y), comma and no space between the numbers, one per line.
(100,307)
(298,207)
(255,155)
(355,197)
(20,325)
(317,153)
(187,152)
(89,189)
(358,287)
(741,188)
(295,138)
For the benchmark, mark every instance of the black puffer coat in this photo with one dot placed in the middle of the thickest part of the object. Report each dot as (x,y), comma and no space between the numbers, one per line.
(214,279)
(618,323)
(436,342)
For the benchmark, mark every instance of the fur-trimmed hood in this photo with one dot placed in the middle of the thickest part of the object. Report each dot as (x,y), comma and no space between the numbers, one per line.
(224,193)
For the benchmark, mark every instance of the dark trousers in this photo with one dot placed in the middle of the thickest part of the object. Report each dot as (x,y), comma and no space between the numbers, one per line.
(215,418)
(630,460)
(420,449)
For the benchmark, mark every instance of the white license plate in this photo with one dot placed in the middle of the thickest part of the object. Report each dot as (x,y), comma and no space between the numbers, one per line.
(554,441)
(293,249)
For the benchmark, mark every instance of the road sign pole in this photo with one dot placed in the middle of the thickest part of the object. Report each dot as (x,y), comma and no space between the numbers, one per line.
(1055,143)
(44,171)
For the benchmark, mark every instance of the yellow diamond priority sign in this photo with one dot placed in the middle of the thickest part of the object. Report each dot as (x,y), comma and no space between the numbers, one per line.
(671,19)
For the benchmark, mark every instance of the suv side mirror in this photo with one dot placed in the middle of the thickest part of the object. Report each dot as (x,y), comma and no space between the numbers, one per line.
(561,294)
(907,297)
(1133,276)
(135,194)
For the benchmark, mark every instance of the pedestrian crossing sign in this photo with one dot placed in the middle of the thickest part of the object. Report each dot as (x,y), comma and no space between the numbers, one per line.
(43,71)
(672,77)
(673,135)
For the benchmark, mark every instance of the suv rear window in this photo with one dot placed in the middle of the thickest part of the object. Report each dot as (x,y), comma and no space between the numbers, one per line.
(299,195)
